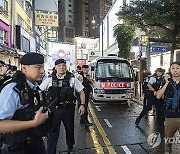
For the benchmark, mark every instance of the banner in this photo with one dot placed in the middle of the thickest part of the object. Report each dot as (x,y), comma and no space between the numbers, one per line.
(65,51)
(45,19)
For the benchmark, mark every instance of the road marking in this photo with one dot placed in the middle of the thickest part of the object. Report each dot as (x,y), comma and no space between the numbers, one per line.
(102,132)
(126,149)
(98,109)
(99,149)
(107,122)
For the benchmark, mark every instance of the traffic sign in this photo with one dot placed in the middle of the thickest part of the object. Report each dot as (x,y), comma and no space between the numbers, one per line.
(158,49)
(144,40)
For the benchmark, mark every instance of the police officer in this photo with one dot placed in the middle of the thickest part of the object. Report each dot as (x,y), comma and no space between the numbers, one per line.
(63,85)
(146,77)
(87,81)
(3,70)
(18,101)
(78,75)
(153,85)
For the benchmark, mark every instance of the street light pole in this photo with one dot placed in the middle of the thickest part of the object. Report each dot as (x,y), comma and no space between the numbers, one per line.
(148,55)
(102,39)
(13,31)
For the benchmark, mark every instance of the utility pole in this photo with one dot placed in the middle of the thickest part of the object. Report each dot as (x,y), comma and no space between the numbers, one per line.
(13,28)
(102,39)
(148,55)
(33,19)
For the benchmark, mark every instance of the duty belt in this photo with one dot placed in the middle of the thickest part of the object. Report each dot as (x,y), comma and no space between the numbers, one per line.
(65,104)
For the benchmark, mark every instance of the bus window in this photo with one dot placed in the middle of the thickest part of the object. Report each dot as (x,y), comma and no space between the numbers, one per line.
(118,70)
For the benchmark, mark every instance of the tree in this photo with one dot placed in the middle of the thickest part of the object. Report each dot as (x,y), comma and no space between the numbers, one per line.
(124,36)
(148,14)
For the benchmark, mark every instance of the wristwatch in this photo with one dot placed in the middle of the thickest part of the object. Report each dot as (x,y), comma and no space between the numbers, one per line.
(83,105)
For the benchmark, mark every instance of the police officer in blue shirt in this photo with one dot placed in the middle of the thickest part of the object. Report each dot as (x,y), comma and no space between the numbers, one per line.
(153,86)
(18,100)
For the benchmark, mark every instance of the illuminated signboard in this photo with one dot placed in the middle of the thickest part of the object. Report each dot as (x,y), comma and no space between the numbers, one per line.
(115,85)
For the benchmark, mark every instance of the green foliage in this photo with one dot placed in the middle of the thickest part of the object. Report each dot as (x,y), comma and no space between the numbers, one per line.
(146,14)
(124,36)
(160,18)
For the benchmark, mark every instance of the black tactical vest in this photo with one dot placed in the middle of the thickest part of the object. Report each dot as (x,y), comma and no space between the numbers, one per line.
(65,91)
(157,84)
(86,83)
(31,100)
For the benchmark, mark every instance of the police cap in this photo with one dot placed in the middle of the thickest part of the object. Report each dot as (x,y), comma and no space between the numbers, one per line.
(60,61)
(85,66)
(32,58)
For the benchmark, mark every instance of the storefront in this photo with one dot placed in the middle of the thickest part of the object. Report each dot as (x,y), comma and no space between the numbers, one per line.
(9,55)
(5,34)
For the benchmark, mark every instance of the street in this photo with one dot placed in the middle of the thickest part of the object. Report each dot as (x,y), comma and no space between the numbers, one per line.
(114,131)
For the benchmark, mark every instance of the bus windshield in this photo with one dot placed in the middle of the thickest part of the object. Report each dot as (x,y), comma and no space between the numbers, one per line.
(113,69)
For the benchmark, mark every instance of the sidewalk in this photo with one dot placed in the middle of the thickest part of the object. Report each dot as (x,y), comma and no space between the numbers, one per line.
(138,100)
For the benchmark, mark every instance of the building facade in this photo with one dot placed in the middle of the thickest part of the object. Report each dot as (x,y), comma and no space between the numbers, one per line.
(7,51)
(66,28)
(18,32)
(88,16)
(81,18)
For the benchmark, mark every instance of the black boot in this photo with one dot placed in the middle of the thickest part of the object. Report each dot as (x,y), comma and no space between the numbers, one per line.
(88,123)
(70,149)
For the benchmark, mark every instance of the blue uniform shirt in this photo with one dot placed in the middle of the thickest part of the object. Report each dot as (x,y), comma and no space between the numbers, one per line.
(172,100)
(10,101)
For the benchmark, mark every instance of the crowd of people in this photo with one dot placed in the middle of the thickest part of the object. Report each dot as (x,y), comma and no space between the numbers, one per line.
(162,91)
(33,107)
(6,71)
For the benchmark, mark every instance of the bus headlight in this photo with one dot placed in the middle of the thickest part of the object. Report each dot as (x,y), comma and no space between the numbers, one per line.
(99,91)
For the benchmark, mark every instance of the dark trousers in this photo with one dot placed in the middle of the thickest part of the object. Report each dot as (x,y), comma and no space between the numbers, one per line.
(146,94)
(84,117)
(144,101)
(34,147)
(66,115)
(152,100)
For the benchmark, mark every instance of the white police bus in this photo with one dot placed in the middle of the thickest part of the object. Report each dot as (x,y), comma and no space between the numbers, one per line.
(113,79)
